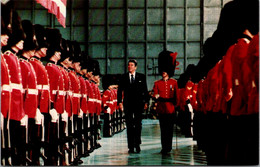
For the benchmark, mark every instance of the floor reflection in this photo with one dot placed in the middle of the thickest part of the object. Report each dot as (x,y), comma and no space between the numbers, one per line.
(114,150)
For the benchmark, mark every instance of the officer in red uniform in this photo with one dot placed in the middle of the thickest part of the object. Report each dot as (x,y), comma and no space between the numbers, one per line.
(166,94)
(57,94)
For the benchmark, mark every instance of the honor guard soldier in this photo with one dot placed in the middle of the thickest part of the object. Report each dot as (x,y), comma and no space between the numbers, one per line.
(30,93)
(97,104)
(238,110)
(5,92)
(166,94)
(90,103)
(17,115)
(75,88)
(43,90)
(57,95)
(86,128)
(65,125)
(107,105)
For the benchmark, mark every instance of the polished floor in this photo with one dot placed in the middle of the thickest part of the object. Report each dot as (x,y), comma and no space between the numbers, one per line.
(114,150)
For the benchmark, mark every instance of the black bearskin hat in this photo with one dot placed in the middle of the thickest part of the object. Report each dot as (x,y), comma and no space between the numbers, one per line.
(96,69)
(53,38)
(30,42)
(6,18)
(77,51)
(107,81)
(65,50)
(40,33)
(167,62)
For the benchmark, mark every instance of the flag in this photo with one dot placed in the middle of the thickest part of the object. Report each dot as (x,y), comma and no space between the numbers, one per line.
(56,7)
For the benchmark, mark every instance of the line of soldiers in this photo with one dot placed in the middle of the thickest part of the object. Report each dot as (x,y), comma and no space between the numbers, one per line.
(50,100)
(114,121)
(224,106)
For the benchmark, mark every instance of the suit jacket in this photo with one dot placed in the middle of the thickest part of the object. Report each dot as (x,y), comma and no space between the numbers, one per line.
(135,93)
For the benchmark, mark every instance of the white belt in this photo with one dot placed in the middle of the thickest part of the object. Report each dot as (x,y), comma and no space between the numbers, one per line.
(110,102)
(6,88)
(236,82)
(76,95)
(98,101)
(45,87)
(54,92)
(39,86)
(61,92)
(17,86)
(69,93)
(84,95)
(91,100)
(32,91)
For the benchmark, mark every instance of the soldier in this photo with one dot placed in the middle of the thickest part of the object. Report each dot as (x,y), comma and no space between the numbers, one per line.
(166,94)
(42,87)
(30,92)
(5,93)
(56,82)
(238,110)
(107,105)
(75,88)
(17,116)
(90,103)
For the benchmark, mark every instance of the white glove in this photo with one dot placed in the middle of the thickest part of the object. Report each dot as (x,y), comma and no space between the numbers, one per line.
(64,116)
(38,117)
(108,110)
(2,121)
(157,96)
(190,107)
(80,114)
(24,121)
(54,115)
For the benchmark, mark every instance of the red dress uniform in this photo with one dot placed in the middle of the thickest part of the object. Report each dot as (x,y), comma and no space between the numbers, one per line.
(107,100)
(98,100)
(199,95)
(212,79)
(166,90)
(75,88)
(83,91)
(114,94)
(238,106)
(29,82)
(67,89)
(117,106)
(194,102)
(188,90)
(16,107)
(182,99)
(42,85)
(93,86)
(90,97)
(56,87)
(5,88)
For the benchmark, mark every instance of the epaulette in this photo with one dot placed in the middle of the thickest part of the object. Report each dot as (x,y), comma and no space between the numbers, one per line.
(8,52)
(49,64)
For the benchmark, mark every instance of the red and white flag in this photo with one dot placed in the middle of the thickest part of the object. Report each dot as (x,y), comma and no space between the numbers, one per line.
(56,7)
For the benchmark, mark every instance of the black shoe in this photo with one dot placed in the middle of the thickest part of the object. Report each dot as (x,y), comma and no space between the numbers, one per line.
(164,152)
(131,151)
(138,149)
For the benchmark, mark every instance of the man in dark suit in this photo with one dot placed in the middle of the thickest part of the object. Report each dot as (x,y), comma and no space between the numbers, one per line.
(135,99)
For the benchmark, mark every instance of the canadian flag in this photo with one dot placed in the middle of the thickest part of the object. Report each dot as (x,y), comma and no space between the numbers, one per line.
(56,7)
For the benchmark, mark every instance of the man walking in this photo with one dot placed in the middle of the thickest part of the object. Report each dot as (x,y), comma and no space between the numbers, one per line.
(133,87)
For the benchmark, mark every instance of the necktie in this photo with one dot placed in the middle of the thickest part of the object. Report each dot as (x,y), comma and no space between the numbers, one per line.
(132,78)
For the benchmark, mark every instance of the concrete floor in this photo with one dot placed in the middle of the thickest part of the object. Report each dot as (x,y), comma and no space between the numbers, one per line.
(114,150)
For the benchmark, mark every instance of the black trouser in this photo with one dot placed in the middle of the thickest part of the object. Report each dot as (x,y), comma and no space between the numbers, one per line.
(166,126)
(133,116)
(243,144)
(216,139)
